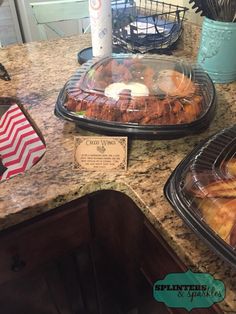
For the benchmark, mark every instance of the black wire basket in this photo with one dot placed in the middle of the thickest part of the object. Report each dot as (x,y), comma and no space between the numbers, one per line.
(145,25)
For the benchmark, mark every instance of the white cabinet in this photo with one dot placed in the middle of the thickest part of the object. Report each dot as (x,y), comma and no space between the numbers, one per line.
(9,25)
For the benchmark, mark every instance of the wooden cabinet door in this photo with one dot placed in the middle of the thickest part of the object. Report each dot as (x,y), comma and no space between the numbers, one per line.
(33,243)
(44,262)
(116,225)
(63,286)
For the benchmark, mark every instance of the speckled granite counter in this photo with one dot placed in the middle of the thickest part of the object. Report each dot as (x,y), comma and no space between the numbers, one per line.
(38,71)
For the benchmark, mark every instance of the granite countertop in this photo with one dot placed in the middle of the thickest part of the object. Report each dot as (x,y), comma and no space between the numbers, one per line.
(38,71)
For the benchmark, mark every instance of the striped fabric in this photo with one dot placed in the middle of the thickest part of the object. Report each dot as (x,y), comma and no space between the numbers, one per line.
(20,145)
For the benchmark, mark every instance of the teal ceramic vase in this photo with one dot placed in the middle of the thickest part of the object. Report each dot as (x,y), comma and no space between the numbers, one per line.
(217,52)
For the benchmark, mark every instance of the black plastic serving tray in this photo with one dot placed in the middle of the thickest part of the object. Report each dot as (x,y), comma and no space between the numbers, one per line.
(212,149)
(133,130)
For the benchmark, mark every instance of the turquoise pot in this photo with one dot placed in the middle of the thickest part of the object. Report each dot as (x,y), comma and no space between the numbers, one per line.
(217,52)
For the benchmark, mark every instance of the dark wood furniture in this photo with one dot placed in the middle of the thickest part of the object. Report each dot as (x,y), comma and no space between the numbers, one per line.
(95,255)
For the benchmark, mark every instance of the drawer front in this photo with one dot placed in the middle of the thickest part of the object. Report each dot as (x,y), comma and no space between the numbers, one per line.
(42,239)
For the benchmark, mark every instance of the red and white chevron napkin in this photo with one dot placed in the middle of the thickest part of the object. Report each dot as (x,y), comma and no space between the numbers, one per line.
(20,145)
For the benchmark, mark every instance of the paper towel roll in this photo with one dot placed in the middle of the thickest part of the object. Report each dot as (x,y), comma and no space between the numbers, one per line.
(101,27)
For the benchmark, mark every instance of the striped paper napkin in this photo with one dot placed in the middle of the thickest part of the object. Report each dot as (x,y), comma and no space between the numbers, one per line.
(20,145)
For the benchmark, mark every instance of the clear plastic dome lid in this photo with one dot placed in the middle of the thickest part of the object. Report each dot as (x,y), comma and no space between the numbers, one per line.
(146,90)
(203,191)
(131,77)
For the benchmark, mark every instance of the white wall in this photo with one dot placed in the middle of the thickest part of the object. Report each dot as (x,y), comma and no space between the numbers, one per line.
(9,26)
